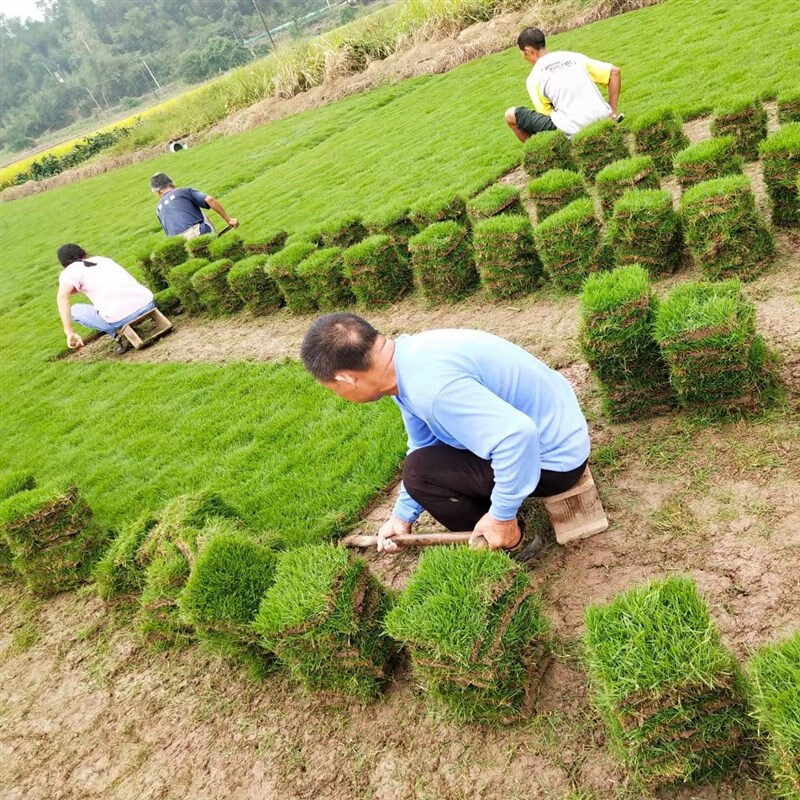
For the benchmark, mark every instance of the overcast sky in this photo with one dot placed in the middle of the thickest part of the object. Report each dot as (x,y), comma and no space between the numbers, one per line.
(20,8)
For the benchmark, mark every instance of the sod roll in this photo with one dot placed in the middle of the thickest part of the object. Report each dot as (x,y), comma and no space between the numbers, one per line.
(477,634)
(780,160)
(323,272)
(323,619)
(716,360)
(265,241)
(52,537)
(119,572)
(249,281)
(598,145)
(282,268)
(646,230)
(744,119)
(169,254)
(199,247)
(570,245)
(228,246)
(616,336)
(659,134)
(505,255)
(724,233)
(638,172)
(546,151)
(707,160)
(774,673)
(150,272)
(443,262)
(670,693)
(441,207)
(377,273)
(554,190)
(180,279)
(497,199)
(222,594)
(167,300)
(789,106)
(211,284)
(342,231)
(11,483)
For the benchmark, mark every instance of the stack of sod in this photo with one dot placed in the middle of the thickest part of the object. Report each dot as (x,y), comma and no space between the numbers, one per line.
(342,231)
(775,697)
(614,180)
(554,190)
(199,247)
(211,284)
(282,268)
(266,242)
(706,160)
(505,255)
(119,573)
(323,272)
(167,300)
(152,274)
(723,230)
(52,537)
(393,221)
(546,151)
(617,313)
(443,262)
(598,145)
(646,230)
(169,254)
(166,552)
(441,207)
(780,160)
(476,631)
(323,619)
(497,199)
(222,594)
(570,244)
(789,106)
(229,247)
(180,279)
(670,693)
(745,119)
(707,334)
(248,280)
(11,483)
(659,134)
(377,272)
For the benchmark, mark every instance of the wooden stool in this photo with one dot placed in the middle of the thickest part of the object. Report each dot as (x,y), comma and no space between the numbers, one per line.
(162,326)
(578,512)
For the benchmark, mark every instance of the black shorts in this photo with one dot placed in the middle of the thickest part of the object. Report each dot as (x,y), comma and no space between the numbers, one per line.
(532,121)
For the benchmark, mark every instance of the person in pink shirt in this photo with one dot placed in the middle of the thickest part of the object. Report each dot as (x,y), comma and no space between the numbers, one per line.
(117,298)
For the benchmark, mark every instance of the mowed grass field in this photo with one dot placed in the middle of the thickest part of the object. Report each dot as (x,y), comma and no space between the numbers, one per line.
(293,458)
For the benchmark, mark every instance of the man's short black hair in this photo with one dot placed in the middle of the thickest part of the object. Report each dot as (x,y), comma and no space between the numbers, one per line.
(337,342)
(531,37)
(161,181)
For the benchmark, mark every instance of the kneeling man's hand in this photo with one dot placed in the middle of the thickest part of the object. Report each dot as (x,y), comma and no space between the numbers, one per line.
(391,527)
(497,533)
(74,342)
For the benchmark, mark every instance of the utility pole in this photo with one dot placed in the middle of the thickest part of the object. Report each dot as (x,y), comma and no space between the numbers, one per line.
(99,107)
(263,22)
(158,86)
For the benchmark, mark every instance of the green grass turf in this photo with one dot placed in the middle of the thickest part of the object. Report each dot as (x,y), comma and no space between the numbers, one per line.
(286,454)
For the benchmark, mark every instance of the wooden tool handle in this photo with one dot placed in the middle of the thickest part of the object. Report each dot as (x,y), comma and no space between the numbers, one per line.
(224,230)
(411,539)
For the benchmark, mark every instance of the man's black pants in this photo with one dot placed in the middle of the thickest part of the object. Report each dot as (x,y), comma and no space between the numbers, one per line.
(455,486)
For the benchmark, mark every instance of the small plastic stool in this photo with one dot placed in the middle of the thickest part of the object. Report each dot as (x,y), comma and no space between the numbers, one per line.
(162,326)
(578,512)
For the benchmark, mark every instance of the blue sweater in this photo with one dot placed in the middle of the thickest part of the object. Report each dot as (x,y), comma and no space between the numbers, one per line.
(478,392)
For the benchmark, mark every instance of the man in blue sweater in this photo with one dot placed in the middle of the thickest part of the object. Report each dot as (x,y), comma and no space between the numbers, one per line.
(488,424)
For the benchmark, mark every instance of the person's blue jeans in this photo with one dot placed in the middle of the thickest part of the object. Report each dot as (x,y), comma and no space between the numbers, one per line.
(87,315)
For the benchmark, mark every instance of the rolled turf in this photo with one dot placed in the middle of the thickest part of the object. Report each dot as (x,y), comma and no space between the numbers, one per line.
(443,262)
(377,272)
(441,207)
(659,134)
(265,241)
(554,190)
(199,246)
(723,231)
(229,246)
(180,279)
(670,693)
(282,268)
(774,673)
(119,572)
(497,199)
(598,145)
(323,619)
(323,271)
(394,221)
(745,119)
(167,300)
(546,151)
(477,634)
(152,273)
(211,284)
(248,280)
(11,483)
(707,160)
(780,160)
(169,254)
(342,231)
(505,255)
(570,245)
(638,172)
(646,230)
(789,106)
(616,335)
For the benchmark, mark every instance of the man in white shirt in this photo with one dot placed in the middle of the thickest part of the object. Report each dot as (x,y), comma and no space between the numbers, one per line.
(563,89)
(117,297)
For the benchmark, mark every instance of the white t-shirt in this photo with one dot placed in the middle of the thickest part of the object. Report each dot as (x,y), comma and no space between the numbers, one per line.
(114,292)
(563,85)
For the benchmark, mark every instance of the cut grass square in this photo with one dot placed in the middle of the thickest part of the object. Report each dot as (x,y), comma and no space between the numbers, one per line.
(443,262)
(659,134)
(211,284)
(789,106)
(228,246)
(342,231)
(441,207)
(200,246)
(377,273)
(554,190)
(265,241)
(151,272)
(638,172)
(707,160)
(497,199)
(167,300)
(745,119)
(180,279)
(780,160)
(282,268)
(169,254)
(505,255)
(546,151)
(12,483)
(323,271)
(248,280)
(598,145)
